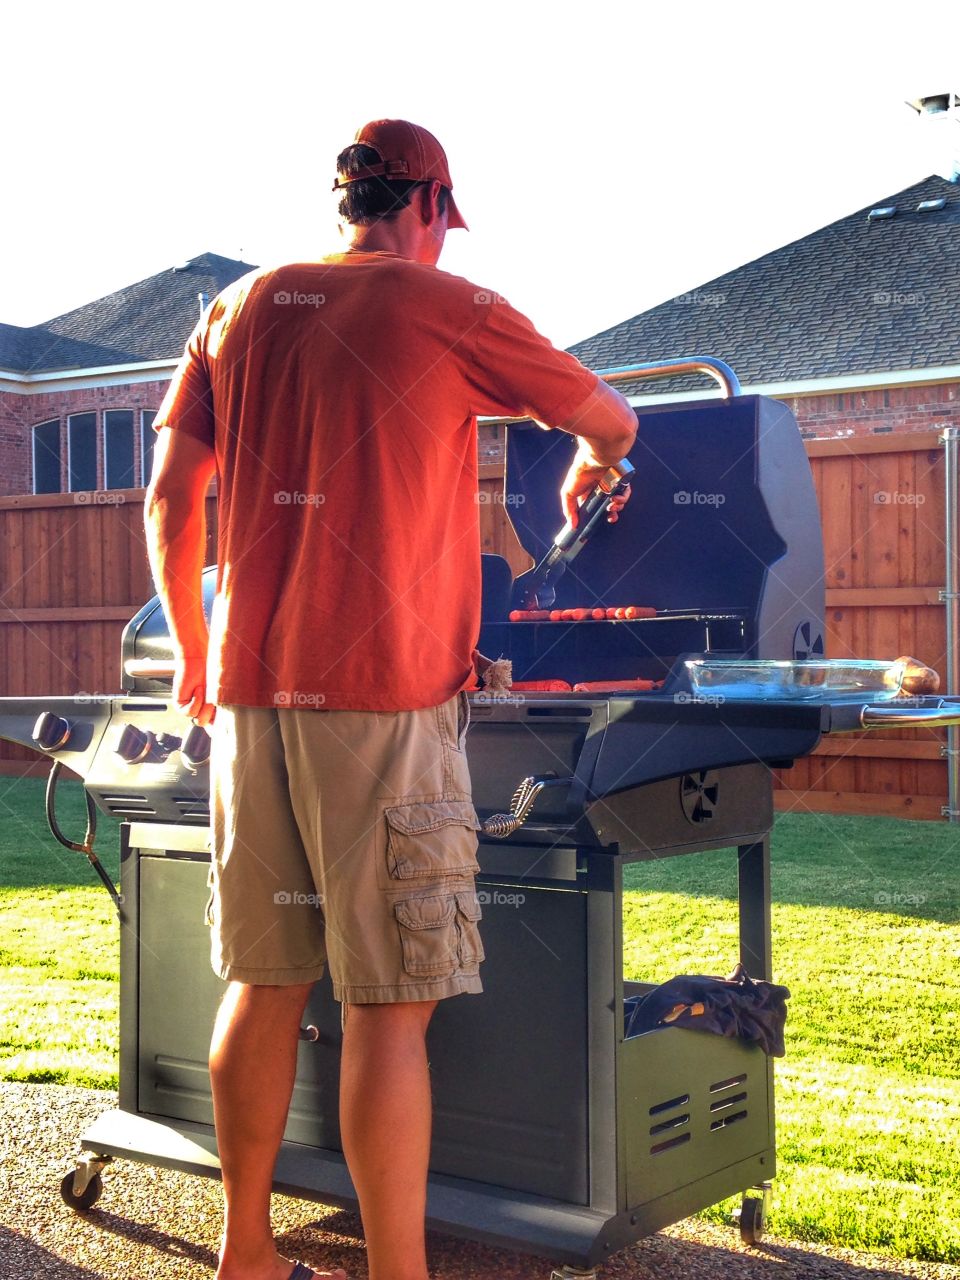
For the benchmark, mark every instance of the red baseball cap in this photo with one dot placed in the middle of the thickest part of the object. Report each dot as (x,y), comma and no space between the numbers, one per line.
(406,151)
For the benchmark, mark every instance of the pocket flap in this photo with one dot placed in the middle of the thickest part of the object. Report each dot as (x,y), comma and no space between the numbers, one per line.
(414,819)
(432,840)
(426,913)
(469,906)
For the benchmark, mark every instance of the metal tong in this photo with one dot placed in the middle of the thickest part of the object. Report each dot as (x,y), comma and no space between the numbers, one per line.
(538,586)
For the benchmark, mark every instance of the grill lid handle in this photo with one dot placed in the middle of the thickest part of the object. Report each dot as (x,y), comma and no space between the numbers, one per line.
(149,668)
(719,370)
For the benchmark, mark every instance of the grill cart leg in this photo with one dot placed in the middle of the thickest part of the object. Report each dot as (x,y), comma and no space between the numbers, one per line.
(753,1214)
(573,1273)
(83,1188)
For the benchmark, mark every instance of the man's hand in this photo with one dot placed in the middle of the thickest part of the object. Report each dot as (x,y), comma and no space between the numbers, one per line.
(190,689)
(606,428)
(582,478)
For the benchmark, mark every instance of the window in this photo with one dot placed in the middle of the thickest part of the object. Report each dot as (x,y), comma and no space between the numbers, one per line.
(82,451)
(148,438)
(118,448)
(46,457)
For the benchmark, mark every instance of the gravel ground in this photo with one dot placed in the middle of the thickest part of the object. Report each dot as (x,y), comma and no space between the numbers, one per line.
(151,1224)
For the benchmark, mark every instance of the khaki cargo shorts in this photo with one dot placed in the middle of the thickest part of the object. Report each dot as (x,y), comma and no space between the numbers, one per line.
(345,839)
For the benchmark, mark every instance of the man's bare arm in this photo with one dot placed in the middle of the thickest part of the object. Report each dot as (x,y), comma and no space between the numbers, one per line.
(606,427)
(176,538)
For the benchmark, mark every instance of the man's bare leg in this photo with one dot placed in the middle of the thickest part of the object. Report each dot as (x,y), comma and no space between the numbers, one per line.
(253,1060)
(385,1115)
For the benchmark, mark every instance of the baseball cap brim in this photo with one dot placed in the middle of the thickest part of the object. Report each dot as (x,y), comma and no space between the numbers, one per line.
(454,217)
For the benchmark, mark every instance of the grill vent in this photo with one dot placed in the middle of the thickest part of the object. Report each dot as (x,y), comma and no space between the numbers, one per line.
(675,1122)
(722,1108)
(192,807)
(730,1083)
(669,1144)
(727,1121)
(670,1105)
(128,803)
(669,1122)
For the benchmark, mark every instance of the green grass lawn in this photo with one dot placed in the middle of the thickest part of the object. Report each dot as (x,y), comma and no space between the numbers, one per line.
(59,943)
(866,936)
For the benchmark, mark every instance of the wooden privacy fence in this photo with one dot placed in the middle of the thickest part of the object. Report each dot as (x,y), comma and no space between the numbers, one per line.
(73,573)
(882,513)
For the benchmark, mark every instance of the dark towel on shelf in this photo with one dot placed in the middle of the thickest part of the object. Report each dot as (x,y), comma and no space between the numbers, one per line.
(734,1006)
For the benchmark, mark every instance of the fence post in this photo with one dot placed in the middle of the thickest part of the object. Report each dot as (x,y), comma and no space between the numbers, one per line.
(951,599)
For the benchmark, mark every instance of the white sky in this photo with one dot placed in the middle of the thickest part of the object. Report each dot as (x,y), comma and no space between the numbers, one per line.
(607,155)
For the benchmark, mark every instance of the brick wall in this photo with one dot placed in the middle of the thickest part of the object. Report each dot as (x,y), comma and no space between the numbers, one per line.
(19,414)
(857,413)
(15,451)
(864,413)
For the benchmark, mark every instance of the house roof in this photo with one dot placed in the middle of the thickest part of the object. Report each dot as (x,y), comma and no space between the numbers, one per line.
(149,320)
(858,296)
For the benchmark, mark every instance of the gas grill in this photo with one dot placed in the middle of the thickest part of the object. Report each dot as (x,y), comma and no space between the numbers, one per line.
(554,1132)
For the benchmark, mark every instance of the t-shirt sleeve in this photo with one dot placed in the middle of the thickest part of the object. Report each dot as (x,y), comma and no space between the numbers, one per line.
(517,372)
(188,404)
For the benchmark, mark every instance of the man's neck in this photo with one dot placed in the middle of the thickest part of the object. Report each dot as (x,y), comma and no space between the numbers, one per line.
(407,238)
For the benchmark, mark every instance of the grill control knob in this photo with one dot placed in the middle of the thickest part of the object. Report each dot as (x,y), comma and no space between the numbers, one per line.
(196,748)
(168,741)
(51,732)
(134,745)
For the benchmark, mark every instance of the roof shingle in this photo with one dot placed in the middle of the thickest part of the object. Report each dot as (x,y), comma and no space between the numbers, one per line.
(857,296)
(149,320)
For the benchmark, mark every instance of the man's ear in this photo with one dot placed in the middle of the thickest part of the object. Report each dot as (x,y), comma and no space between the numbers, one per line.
(429,195)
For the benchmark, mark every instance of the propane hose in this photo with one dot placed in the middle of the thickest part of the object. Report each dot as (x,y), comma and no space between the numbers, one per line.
(87,847)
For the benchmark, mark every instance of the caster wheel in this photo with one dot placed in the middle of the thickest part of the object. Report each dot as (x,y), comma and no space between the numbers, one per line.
(85,1201)
(752,1220)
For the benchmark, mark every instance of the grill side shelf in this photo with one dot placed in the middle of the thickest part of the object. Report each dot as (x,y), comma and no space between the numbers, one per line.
(650,737)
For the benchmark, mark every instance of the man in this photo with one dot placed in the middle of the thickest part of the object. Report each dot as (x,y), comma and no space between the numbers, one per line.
(337,401)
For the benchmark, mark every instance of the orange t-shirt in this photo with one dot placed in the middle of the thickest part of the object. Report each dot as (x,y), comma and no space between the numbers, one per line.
(341,398)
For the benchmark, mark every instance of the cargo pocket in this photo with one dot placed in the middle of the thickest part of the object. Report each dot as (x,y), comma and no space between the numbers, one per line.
(428,935)
(431,840)
(469,946)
